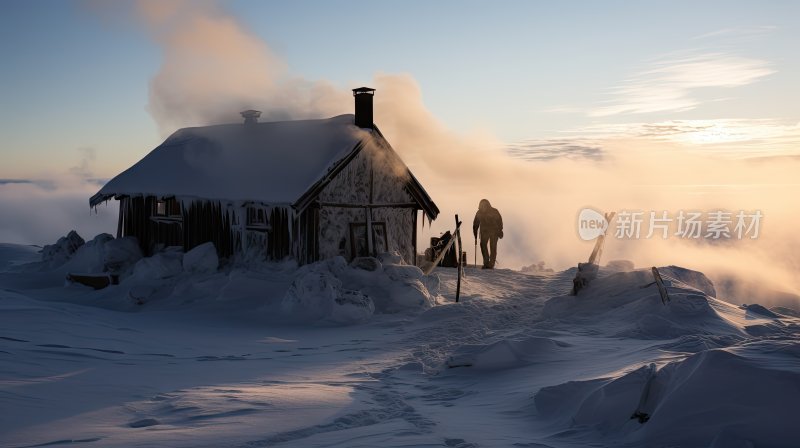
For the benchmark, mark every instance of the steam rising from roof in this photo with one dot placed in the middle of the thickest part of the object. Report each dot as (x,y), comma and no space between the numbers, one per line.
(213,68)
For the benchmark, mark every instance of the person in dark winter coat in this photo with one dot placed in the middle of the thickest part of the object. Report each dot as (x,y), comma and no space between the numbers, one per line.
(490,223)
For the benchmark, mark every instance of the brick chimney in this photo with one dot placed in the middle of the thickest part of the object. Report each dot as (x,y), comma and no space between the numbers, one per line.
(363,96)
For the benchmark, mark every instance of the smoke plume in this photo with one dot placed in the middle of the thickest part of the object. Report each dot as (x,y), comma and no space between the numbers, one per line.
(213,68)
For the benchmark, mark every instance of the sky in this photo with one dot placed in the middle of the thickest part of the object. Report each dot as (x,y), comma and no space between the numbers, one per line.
(520,70)
(544,107)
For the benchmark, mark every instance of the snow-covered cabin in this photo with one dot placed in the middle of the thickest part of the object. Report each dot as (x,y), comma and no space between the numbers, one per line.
(307,189)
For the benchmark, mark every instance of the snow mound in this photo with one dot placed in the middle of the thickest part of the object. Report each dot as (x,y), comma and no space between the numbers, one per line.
(536,268)
(121,254)
(506,353)
(202,259)
(719,397)
(631,301)
(166,264)
(332,290)
(759,309)
(317,294)
(102,254)
(605,404)
(691,278)
(58,253)
(89,257)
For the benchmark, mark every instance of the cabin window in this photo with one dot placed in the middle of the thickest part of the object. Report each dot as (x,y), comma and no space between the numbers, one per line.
(167,208)
(359,245)
(257,219)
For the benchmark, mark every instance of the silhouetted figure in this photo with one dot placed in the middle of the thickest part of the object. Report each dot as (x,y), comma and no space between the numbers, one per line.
(490,222)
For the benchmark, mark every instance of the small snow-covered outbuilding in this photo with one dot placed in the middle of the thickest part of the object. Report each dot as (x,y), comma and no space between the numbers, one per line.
(307,189)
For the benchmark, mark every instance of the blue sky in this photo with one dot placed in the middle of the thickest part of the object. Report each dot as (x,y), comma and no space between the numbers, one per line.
(75,82)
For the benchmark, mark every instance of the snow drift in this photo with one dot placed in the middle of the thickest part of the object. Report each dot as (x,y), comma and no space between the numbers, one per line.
(507,353)
(734,397)
(331,290)
(328,291)
(211,355)
(631,300)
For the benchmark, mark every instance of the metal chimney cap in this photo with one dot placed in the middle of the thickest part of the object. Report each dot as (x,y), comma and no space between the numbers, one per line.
(363,90)
(250,113)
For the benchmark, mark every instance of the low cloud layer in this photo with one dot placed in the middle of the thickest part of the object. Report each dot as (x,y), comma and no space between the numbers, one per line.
(670,84)
(726,137)
(39,212)
(549,149)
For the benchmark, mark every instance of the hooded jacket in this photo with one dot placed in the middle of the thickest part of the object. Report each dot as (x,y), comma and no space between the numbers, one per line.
(489,221)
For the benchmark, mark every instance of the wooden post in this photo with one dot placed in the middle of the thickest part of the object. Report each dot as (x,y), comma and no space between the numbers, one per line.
(414,214)
(588,271)
(594,258)
(368,211)
(459,265)
(662,290)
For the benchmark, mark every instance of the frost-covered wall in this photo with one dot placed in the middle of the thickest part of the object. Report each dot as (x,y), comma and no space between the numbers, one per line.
(186,223)
(263,231)
(352,186)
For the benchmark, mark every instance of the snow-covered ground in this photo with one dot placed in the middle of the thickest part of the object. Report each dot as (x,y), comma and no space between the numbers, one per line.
(242,358)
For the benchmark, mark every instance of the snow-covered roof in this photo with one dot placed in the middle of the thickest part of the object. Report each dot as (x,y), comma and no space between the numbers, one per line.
(273,162)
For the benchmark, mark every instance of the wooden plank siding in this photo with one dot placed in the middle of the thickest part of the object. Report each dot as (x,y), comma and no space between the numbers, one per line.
(307,236)
(279,241)
(205,221)
(201,222)
(136,221)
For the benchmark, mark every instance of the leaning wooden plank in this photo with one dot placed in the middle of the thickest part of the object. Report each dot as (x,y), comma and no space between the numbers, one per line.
(444,251)
(598,249)
(588,271)
(459,265)
(594,258)
(661,288)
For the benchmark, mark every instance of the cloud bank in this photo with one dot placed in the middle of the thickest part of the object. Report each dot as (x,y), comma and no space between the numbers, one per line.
(38,211)
(670,84)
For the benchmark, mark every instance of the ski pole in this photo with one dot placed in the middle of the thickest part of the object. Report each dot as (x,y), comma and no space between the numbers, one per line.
(476,251)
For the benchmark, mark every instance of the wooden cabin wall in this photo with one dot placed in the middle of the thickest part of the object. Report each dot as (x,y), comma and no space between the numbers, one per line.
(279,237)
(200,222)
(307,240)
(270,237)
(205,221)
(400,229)
(389,187)
(135,216)
(352,186)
